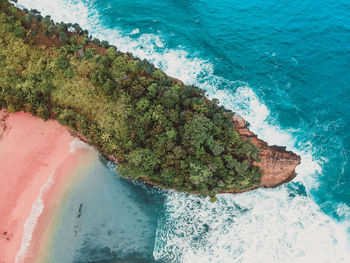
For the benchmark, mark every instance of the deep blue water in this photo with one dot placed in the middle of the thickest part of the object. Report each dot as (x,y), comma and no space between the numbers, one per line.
(295,55)
(285,67)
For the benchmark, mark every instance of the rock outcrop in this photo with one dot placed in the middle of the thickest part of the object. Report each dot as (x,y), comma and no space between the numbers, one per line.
(3,116)
(277,164)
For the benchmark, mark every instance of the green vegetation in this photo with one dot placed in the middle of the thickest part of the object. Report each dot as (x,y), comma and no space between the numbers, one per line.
(159,130)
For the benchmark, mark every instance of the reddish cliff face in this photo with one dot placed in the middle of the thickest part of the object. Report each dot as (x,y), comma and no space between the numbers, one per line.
(277,164)
(3,116)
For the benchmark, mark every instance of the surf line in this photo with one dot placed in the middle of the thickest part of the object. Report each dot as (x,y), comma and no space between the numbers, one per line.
(37,209)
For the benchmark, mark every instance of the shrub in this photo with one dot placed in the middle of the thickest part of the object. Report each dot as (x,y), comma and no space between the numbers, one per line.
(29,17)
(66,117)
(111,53)
(51,28)
(96,42)
(77,28)
(13,9)
(198,130)
(43,112)
(69,73)
(19,31)
(46,20)
(158,74)
(62,62)
(37,18)
(34,11)
(61,27)
(104,44)
(90,53)
(63,37)
(144,158)
(108,87)
(145,65)
(217,149)
(73,40)
(105,61)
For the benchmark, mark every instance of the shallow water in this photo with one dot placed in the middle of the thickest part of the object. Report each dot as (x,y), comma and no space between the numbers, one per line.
(282,65)
(106,218)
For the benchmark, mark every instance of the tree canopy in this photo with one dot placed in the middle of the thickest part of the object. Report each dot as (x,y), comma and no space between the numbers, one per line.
(158,129)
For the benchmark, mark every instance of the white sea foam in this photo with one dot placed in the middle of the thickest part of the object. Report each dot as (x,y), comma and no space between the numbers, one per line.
(38,205)
(32,220)
(176,63)
(135,31)
(343,211)
(78,144)
(245,102)
(260,226)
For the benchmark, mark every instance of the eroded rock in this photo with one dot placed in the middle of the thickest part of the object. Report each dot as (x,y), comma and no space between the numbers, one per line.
(277,164)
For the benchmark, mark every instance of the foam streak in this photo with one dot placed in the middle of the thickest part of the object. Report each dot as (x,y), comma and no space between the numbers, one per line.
(262,226)
(37,209)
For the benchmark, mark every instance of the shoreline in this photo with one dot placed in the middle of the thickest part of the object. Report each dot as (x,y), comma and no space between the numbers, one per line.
(277,164)
(184,141)
(31,152)
(67,176)
(41,147)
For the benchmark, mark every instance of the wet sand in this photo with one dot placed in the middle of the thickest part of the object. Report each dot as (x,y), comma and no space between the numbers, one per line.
(34,154)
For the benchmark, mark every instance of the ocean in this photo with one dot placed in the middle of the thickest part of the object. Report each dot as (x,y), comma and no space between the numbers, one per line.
(282,65)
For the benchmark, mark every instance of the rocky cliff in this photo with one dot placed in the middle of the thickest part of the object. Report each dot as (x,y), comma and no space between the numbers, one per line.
(3,127)
(277,164)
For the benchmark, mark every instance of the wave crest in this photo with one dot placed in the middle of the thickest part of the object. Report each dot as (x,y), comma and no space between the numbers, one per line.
(267,225)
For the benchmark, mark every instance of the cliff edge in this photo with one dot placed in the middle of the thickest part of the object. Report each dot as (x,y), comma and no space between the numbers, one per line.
(3,127)
(159,129)
(277,164)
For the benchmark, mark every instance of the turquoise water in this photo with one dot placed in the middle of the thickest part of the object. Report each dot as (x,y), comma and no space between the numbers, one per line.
(107,218)
(284,66)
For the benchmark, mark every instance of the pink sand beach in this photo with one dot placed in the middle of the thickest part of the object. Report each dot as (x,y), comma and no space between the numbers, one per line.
(66,178)
(35,164)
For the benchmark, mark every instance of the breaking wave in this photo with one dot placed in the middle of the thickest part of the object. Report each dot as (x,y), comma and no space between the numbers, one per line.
(37,209)
(267,225)
(78,144)
(275,225)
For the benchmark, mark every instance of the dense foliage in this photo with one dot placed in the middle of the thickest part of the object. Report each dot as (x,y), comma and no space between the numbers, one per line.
(158,129)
